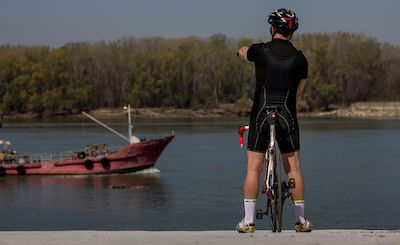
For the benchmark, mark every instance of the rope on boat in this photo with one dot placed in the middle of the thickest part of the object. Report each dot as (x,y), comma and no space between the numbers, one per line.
(107,127)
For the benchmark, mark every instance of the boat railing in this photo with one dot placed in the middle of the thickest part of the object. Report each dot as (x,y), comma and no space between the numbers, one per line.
(62,156)
(50,156)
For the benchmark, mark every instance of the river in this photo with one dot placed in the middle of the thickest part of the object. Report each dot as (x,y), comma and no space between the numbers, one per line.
(351,169)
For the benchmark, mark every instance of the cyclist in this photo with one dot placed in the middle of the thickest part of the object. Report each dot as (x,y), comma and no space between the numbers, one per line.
(281,73)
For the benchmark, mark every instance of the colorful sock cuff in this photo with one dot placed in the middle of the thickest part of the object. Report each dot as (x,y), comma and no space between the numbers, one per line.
(250,200)
(298,200)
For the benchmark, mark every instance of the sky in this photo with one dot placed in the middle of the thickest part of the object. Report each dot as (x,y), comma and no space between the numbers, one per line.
(56,22)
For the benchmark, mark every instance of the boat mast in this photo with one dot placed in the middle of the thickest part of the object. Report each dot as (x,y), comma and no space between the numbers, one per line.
(130,127)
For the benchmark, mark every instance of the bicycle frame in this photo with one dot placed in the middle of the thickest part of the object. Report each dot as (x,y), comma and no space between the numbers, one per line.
(269,166)
(269,159)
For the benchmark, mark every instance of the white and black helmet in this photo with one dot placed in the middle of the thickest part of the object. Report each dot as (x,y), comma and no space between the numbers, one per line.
(284,19)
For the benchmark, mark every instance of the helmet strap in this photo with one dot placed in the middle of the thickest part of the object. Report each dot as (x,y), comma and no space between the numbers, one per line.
(291,35)
(272,33)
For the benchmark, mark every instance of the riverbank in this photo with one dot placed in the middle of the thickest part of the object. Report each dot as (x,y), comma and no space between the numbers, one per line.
(373,110)
(367,110)
(326,237)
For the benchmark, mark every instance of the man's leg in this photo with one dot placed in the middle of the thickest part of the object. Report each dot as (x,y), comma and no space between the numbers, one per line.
(255,164)
(291,164)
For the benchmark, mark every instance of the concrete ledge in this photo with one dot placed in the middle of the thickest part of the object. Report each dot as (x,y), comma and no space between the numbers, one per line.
(342,237)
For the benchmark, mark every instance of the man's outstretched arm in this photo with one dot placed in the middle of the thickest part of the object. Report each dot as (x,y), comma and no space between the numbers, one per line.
(242,53)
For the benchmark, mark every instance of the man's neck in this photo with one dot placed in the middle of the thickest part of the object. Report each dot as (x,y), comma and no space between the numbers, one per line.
(280,36)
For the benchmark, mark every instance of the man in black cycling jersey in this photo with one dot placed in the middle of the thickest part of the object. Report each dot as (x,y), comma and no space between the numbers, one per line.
(281,73)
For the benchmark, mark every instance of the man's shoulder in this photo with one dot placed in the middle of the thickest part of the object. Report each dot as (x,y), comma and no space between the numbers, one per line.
(255,51)
(301,56)
(258,45)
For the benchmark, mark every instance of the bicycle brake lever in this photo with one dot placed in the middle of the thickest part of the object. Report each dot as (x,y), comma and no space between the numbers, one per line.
(242,129)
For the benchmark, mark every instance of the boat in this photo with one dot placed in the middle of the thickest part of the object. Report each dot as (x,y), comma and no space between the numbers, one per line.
(93,159)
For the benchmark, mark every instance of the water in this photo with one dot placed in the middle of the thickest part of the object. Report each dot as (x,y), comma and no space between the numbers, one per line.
(351,169)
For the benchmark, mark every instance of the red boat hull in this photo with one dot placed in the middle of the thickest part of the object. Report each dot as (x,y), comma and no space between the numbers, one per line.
(130,158)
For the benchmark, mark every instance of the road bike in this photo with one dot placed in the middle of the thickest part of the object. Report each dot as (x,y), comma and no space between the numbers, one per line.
(274,187)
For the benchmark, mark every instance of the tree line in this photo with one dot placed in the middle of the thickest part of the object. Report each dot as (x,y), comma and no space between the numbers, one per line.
(187,73)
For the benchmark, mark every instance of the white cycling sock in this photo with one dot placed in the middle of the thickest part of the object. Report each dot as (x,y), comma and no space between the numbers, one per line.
(249,210)
(299,211)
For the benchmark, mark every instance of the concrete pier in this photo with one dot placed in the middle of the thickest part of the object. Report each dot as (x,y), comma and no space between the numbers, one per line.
(325,237)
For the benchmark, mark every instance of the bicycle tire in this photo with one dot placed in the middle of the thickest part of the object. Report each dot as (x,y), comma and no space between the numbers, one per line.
(271,200)
(278,198)
(270,212)
(273,221)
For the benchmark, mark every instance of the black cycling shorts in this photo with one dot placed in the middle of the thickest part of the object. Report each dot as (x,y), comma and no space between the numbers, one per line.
(287,131)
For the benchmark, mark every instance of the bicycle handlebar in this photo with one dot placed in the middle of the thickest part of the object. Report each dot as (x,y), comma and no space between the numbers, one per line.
(242,129)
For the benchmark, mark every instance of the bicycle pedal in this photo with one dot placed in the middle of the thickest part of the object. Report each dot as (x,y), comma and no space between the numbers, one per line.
(292,183)
(259,214)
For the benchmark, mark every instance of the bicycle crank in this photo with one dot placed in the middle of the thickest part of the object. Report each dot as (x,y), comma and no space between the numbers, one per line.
(260,214)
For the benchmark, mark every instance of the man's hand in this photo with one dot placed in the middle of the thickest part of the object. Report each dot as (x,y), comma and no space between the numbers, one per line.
(242,53)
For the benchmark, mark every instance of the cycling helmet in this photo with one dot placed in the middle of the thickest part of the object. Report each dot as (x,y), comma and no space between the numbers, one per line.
(284,19)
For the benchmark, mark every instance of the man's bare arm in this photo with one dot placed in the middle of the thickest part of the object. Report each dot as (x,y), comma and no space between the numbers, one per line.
(300,89)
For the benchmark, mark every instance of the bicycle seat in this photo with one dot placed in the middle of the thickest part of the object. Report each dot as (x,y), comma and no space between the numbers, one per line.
(272,108)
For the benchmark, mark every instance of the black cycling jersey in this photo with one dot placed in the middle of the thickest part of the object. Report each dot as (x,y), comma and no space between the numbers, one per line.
(279,69)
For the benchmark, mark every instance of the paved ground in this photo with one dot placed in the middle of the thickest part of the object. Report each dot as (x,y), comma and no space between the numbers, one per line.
(323,237)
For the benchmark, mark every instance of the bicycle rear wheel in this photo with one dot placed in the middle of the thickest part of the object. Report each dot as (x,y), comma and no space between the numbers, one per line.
(278,204)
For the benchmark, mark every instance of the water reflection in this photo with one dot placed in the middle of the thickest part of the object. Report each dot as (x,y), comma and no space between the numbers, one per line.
(133,181)
(82,202)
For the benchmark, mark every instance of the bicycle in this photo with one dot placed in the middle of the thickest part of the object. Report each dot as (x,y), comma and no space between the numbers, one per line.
(275,189)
